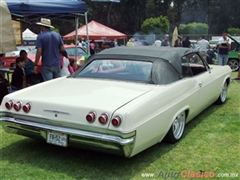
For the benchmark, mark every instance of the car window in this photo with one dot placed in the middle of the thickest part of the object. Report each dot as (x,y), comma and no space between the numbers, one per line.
(71,51)
(32,51)
(186,69)
(118,69)
(235,46)
(196,64)
(19,48)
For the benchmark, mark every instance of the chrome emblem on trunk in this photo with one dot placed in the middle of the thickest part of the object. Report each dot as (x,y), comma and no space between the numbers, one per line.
(56,111)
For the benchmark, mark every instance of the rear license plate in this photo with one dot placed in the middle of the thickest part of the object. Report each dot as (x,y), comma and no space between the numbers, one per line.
(57,138)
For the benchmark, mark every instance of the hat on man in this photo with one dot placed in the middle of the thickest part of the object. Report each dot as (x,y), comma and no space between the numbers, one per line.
(166,36)
(45,22)
(131,39)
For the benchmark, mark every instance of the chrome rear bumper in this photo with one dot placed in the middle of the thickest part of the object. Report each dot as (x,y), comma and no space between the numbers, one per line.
(84,139)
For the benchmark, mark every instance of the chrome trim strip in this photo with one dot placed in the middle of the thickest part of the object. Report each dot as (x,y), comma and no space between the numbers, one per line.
(99,136)
(56,111)
(55,122)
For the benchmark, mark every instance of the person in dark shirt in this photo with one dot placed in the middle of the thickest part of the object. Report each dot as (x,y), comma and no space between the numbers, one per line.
(18,76)
(166,42)
(223,46)
(31,77)
(48,45)
(178,42)
(3,87)
(186,42)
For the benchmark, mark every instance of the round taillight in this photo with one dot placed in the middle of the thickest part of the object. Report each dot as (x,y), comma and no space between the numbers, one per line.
(116,121)
(9,104)
(91,117)
(27,107)
(103,118)
(17,106)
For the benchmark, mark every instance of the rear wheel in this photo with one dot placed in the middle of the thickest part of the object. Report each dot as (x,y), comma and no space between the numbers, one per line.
(176,131)
(234,64)
(223,96)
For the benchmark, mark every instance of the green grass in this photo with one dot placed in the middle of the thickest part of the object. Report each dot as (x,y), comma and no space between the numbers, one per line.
(211,143)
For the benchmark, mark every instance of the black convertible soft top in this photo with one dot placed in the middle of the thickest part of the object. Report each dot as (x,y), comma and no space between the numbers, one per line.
(171,54)
(167,64)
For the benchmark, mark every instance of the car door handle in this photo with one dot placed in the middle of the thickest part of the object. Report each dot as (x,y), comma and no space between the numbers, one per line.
(200,83)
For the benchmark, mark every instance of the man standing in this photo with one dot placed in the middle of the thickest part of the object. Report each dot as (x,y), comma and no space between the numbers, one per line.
(130,42)
(186,42)
(48,46)
(203,47)
(158,42)
(166,42)
(224,44)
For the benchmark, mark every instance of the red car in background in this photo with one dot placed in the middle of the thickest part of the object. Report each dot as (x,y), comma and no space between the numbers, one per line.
(9,62)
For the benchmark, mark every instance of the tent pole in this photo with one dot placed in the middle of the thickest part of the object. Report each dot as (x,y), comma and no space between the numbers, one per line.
(76,28)
(88,43)
(76,39)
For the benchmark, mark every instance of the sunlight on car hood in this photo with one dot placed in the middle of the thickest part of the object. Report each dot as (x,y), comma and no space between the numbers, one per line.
(82,92)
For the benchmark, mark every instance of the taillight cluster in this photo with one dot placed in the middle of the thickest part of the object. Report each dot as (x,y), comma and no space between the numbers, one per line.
(18,106)
(91,117)
(103,118)
(116,121)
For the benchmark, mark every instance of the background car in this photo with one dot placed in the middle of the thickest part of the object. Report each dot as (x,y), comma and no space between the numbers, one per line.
(19,48)
(125,100)
(213,44)
(233,60)
(8,60)
(80,57)
(194,44)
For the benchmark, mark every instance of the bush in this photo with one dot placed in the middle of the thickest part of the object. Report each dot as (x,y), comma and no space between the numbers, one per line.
(159,25)
(234,31)
(194,28)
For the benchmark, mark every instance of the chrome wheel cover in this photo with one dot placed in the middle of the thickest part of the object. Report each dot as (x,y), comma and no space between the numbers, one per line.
(223,94)
(234,64)
(178,126)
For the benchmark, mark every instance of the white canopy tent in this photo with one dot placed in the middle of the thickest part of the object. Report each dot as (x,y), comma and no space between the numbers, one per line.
(29,35)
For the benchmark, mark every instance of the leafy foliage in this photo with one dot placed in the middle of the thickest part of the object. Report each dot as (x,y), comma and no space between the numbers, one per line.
(158,25)
(194,28)
(128,16)
(234,31)
(55,30)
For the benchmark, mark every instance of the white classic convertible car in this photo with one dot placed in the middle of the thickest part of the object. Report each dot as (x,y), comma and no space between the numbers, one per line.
(122,101)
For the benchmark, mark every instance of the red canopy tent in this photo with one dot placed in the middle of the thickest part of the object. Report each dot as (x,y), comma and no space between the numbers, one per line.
(95,31)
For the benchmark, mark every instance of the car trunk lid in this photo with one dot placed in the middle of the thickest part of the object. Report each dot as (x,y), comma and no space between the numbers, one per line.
(71,99)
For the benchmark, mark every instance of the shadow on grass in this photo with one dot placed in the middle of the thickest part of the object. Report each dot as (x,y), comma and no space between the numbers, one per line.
(77,163)
(83,164)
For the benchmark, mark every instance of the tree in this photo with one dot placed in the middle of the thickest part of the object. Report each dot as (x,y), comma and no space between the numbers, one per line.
(234,31)
(129,15)
(194,29)
(158,25)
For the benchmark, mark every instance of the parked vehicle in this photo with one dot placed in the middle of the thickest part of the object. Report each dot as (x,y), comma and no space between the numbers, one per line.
(82,54)
(125,100)
(213,44)
(233,60)
(16,53)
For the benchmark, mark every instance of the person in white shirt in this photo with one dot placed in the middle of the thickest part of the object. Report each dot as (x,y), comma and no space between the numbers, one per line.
(64,64)
(79,44)
(158,42)
(203,47)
